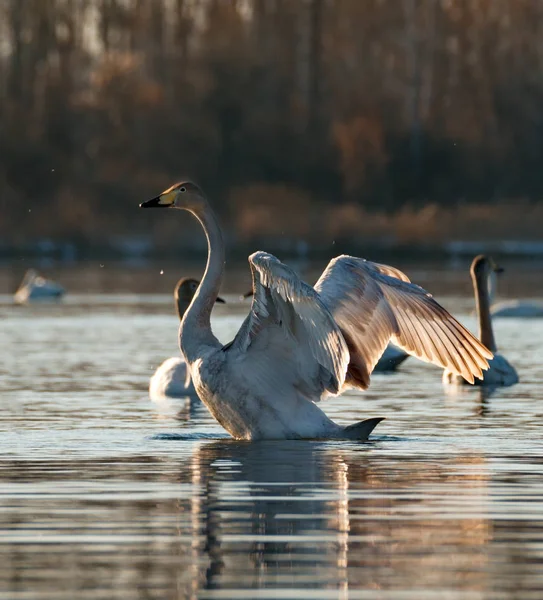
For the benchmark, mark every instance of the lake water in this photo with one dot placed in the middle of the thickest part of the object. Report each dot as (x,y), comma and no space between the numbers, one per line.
(104,494)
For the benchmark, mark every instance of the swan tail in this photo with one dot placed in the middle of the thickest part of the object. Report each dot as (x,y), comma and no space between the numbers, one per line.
(361,431)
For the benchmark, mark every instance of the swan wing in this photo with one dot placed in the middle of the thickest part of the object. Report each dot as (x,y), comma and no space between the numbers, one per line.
(374,304)
(290,328)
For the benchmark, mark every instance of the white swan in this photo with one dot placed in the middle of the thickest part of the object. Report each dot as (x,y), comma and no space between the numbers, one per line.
(389,361)
(172,379)
(500,372)
(300,343)
(521,309)
(35,287)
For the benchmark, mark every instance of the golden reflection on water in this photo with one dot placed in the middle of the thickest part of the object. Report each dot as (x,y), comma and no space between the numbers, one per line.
(241,516)
(313,515)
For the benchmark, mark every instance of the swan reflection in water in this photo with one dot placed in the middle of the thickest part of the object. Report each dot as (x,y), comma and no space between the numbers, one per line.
(186,409)
(314,515)
(264,515)
(296,519)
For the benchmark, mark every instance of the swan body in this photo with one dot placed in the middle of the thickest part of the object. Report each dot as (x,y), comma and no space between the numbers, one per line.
(300,344)
(518,309)
(521,309)
(35,287)
(274,411)
(172,377)
(391,359)
(500,372)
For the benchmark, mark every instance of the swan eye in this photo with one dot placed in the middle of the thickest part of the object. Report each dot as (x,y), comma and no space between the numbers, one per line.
(183,189)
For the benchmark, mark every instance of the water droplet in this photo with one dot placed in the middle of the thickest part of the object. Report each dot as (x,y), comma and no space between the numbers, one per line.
(162,272)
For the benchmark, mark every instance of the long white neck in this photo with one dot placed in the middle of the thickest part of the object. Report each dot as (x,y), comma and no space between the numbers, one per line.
(195,333)
(482,299)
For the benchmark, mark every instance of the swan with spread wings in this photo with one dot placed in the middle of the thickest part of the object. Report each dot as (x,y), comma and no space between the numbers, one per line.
(299,344)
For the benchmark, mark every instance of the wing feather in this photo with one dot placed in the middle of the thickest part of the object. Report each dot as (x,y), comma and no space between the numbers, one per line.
(374,304)
(282,302)
(441,330)
(457,344)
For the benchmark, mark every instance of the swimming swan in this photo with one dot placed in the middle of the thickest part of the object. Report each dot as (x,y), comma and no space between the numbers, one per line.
(500,372)
(389,361)
(171,379)
(299,343)
(521,309)
(35,287)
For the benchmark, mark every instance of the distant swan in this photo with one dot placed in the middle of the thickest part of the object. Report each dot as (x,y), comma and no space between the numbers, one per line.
(521,309)
(171,378)
(500,372)
(35,287)
(389,361)
(300,343)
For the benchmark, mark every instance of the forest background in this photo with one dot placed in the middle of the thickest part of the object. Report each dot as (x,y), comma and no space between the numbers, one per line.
(312,122)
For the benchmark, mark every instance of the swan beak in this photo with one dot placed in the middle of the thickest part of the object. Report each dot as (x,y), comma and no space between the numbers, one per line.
(220,300)
(165,200)
(247,294)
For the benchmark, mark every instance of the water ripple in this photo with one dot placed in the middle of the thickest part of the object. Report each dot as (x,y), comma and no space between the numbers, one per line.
(446,501)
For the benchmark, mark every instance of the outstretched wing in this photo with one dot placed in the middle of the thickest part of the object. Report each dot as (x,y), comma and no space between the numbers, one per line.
(288,321)
(374,304)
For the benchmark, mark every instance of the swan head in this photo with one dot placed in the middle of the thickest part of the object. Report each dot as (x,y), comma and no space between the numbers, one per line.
(484,267)
(185,195)
(184,293)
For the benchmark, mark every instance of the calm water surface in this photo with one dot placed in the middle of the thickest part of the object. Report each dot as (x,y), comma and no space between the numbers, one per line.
(104,494)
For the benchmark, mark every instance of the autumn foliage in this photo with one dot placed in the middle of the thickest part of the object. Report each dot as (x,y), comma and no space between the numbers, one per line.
(357,111)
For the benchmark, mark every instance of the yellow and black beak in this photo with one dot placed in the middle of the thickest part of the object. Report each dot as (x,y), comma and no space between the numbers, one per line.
(165,200)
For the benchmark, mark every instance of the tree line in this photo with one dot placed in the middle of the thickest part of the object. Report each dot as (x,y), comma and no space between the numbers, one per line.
(286,104)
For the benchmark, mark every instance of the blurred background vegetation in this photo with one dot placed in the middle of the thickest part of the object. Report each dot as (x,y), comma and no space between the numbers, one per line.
(399,121)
